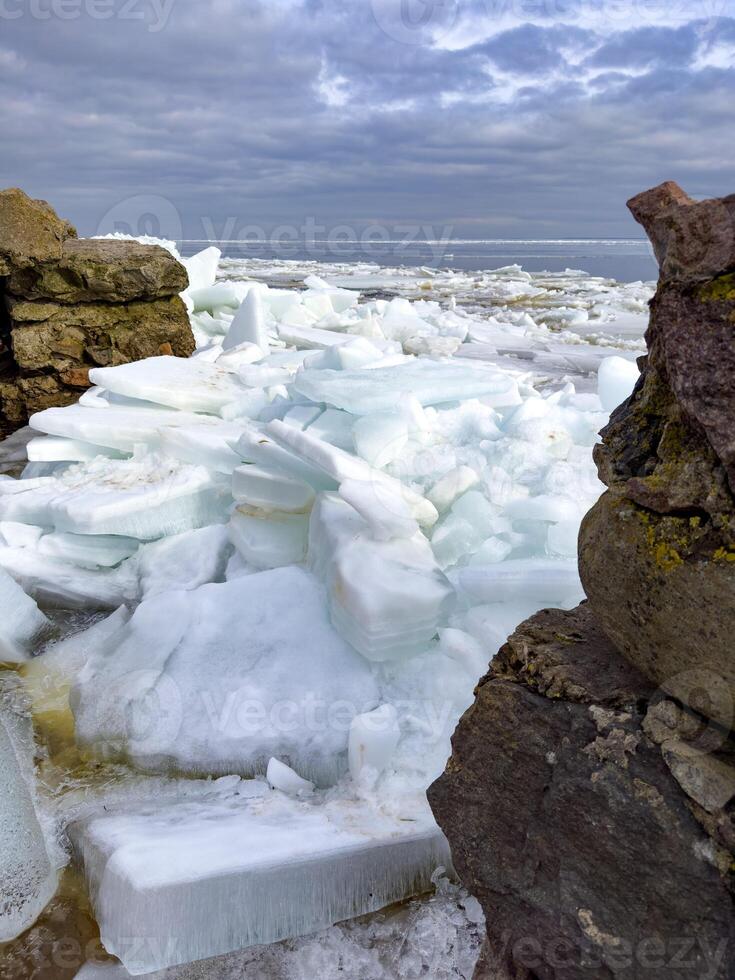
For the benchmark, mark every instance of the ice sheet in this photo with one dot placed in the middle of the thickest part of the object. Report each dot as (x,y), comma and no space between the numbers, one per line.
(363,392)
(268,868)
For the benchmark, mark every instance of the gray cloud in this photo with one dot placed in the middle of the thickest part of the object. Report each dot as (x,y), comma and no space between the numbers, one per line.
(274,112)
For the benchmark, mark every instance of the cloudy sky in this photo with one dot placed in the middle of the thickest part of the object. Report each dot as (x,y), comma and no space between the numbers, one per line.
(489,118)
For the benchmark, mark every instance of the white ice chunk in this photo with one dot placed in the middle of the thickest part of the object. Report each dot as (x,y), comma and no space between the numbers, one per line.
(283,778)
(249,324)
(544,580)
(145,497)
(385,597)
(213,298)
(269,539)
(273,868)
(202,268)
(87,550)
(184,561)
(22,623)
(45,449)
(446,490)
(334,426)
(616,378)
(20,535)
(465,650)
(189,384)
(310,338)
(341,466)
(121,427)
(236,357)
(219,680)
(255,446)
(366,391)
(380,438)
(203,445)
(385,522)
(27,875)
(374,737)
(57,583)
(269,490)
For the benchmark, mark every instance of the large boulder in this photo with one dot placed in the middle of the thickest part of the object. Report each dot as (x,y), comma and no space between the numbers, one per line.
(92,270)
(592,819)
(657,553)
(70,304)
(30,231)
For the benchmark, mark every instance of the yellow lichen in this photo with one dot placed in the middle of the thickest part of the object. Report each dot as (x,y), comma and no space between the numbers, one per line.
(719,290)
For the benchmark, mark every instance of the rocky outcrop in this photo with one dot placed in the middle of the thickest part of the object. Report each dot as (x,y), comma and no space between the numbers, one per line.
(69,304)
(590,797)
(657,553)
(590,818)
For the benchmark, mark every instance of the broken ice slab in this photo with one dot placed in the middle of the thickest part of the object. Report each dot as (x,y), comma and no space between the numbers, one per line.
(59,584)
(269,539)
(121,427)
(87,550)
(145,497)
(184,561)
(341,466)
(175,884)
(189,384)
(363,392)
(267,490)
(204,445)
(222,678)
(311,338)
(21,623)
(27,875)
(544,580)
(386,598)
(53,449)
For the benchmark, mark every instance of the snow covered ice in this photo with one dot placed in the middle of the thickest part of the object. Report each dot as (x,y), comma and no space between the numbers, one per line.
(307,541)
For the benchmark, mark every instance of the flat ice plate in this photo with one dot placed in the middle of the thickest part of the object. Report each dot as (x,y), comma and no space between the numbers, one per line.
(184,882)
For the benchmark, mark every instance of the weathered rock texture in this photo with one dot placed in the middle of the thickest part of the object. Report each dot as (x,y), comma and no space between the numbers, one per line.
(591,823)
(657,553)
(70,304)
(590,797)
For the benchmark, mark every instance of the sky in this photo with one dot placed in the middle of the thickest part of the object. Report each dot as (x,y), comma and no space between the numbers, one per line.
(234,119)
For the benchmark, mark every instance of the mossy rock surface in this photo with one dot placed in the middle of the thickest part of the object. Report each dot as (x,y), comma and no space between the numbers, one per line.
(662,588)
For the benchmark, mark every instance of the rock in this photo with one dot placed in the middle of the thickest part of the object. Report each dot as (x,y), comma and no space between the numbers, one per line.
(657,553)
(692,240)
(93,270)
(69,304)
(662,588)
(54,335)
(585,840)
(30,231)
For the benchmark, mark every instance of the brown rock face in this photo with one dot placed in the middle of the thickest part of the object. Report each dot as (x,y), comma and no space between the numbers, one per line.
(657,553)
(575,818)
(93,270)
(69,304)
(30,231)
